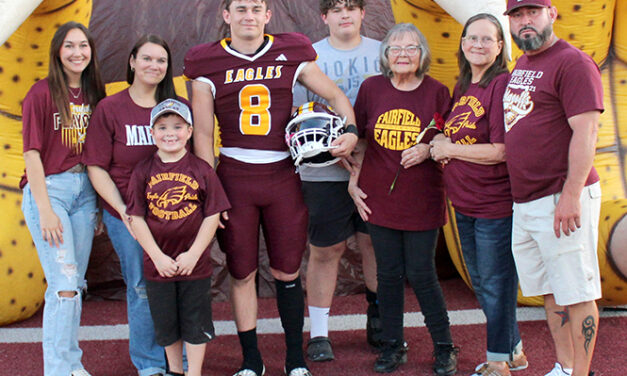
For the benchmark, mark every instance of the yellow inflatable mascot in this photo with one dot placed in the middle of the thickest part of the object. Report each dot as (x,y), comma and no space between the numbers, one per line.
(597,27)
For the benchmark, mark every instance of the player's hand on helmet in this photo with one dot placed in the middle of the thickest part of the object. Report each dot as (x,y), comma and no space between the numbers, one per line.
(51,227)
(223,218)
(414,155)
(358,197)
(165,265)
(186,262)
(344,145)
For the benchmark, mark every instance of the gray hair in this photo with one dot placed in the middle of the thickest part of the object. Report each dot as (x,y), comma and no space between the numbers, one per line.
(397,31)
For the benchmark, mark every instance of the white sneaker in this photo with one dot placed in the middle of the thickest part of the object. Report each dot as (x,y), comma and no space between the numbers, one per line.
(559,371)
(250,372)
(80,372)
(300,371)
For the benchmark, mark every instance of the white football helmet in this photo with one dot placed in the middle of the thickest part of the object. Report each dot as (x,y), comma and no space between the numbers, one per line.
(310,132)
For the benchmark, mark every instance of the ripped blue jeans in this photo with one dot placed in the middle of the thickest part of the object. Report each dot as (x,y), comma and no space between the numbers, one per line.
(146,355)
(74,201)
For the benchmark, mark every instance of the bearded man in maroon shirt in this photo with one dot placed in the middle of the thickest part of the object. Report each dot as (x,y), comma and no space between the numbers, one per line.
(551,107)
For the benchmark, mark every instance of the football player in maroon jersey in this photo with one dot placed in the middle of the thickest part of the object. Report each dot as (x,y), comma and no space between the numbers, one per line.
(246,81)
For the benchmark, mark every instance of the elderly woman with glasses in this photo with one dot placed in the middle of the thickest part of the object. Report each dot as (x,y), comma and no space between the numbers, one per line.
(477,183)
(399,191)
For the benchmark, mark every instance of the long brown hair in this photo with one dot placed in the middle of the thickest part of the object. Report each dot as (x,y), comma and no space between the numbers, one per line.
(165,88)
(91,83)
(499,66)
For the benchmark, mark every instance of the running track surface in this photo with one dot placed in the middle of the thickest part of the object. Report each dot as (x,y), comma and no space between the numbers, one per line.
(104,339)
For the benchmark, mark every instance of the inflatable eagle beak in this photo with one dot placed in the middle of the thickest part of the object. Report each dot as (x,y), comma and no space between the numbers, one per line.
(13,13)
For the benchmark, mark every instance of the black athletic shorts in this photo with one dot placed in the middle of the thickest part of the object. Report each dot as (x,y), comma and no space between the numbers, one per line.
(181,310)
(332,214)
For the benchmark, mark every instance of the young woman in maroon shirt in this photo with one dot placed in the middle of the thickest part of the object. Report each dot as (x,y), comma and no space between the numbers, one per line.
(59,203)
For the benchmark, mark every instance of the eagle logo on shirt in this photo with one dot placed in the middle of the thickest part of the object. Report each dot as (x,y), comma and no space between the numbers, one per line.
(172,196)
(458,122)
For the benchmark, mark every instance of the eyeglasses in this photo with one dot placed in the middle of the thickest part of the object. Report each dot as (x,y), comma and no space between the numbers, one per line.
(409,50)
(482,41)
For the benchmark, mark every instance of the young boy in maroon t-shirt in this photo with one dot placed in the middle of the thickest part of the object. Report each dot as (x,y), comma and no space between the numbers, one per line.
(175,199)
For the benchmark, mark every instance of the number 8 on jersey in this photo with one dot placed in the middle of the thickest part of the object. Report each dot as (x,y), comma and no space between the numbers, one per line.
(255,117)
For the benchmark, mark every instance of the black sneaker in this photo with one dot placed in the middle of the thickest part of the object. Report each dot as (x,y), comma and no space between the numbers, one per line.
(445,356)
(319,349)
(393,354)
(373,327)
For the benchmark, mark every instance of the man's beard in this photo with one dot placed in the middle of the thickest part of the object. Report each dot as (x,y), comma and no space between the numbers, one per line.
(533,43)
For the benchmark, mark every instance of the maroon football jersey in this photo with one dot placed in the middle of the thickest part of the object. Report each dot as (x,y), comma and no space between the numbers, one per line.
(175,198)
(60,146)
(545,90)
(252,94)
(118,138)
(390,120)
(476,117)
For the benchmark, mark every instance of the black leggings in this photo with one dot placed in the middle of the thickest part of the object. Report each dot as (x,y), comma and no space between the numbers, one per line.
(408,254)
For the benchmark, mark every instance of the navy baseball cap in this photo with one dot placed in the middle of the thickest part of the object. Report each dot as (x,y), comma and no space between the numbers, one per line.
(171,106)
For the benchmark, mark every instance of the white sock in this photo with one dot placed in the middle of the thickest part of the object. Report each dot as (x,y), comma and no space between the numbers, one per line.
(319,319)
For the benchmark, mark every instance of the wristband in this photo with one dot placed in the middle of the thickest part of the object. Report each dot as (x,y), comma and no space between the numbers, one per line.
(351,128)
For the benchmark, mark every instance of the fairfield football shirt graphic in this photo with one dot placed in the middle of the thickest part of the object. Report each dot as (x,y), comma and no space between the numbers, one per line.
(465,114)
(172,196)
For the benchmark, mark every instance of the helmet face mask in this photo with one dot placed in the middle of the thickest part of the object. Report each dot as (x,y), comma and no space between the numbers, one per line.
(310,132)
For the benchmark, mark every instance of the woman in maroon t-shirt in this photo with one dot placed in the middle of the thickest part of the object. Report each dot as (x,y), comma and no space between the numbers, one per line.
(477,184)
(400,194)
(59,203)
(118,138)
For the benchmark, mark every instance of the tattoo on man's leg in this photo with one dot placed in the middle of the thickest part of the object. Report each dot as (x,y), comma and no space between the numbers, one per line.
(588,327)
(564,315)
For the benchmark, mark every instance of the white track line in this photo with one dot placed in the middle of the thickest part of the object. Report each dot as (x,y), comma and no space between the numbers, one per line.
(273,326)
